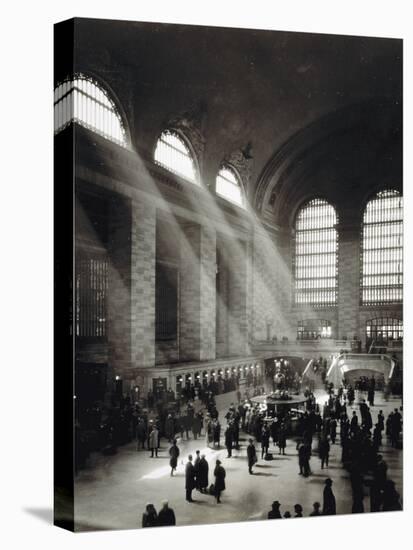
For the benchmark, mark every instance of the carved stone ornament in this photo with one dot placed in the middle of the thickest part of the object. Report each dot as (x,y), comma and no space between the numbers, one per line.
(190,123)
(242,161)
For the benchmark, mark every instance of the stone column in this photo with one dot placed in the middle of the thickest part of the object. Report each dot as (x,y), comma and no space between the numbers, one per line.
(131,287)
(197,293)
(119,280)
(143,266)
(348,281)
(237,314)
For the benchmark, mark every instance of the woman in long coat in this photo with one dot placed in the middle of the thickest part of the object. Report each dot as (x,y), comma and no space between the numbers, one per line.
(219,474)
(329,500)
(173,453)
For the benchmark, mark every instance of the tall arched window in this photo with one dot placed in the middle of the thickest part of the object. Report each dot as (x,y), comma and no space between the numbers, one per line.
(229,187)
(315,262)
(83,100)
(382,249)
(174,154)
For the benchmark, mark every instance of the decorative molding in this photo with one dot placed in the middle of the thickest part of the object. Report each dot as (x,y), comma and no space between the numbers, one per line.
(190,123)
(242,160)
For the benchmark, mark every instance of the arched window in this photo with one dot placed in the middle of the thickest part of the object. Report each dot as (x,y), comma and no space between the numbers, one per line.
(174,154)
(229,187)
(382,249)
(315,261)
(83,100)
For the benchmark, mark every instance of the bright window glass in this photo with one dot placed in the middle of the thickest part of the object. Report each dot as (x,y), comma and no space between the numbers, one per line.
(173,153)
(228,186)
(315,262)
(382,249)
(82,100)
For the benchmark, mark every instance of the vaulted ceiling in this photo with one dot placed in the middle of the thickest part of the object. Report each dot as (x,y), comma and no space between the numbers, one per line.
(262,87)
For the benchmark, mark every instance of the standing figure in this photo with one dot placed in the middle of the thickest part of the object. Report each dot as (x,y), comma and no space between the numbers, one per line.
(174,454)
(154,441)
(229,440)
(189,479)
(329,500)
(202,475)
(282,439)
(219,474)
(324,451)
(265,440)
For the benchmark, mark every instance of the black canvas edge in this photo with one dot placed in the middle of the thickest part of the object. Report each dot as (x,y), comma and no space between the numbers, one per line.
(63,295)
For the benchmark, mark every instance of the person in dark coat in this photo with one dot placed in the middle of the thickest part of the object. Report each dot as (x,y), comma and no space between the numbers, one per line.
(316,509)
(274,513)
(229,440)
(217,432)
(166,515)
(202,474)
(150,517)
(252,456)
(265,440)
(354,422)
(324,451)
(329,500)
(282,439)
(140,434)
(174,454)
(391,498)
(196,467)
(197,425)
(298,509)
(219,474)
(333,430)
(189,479)
(169,428)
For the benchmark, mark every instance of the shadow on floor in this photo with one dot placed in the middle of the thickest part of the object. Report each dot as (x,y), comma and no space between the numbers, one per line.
(44,514)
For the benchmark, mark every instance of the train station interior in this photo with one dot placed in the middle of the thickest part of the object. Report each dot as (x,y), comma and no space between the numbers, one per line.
(238,204)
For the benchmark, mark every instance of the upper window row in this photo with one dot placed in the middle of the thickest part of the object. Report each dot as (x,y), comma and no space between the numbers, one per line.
(316,252)
(83,100)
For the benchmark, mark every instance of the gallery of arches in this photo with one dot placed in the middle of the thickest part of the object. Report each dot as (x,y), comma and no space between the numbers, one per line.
(237,296)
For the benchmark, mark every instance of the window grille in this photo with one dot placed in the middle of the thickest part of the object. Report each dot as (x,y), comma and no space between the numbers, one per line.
(382,249)
(315,261)
(82,100)
(383,329)
(173,153)
(313,329)
(229,187)
(90,296)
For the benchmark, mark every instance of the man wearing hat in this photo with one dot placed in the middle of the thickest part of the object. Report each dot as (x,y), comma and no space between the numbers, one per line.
(274,513)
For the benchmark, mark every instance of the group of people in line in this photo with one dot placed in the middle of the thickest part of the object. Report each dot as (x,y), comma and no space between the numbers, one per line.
(327,509)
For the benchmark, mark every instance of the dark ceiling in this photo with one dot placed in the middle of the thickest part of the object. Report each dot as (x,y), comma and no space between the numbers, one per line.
(258,86)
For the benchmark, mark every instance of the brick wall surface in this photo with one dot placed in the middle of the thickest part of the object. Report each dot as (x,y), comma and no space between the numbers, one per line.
(143,265)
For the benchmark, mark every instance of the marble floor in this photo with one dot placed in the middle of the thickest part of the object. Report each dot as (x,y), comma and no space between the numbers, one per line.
(111,493)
